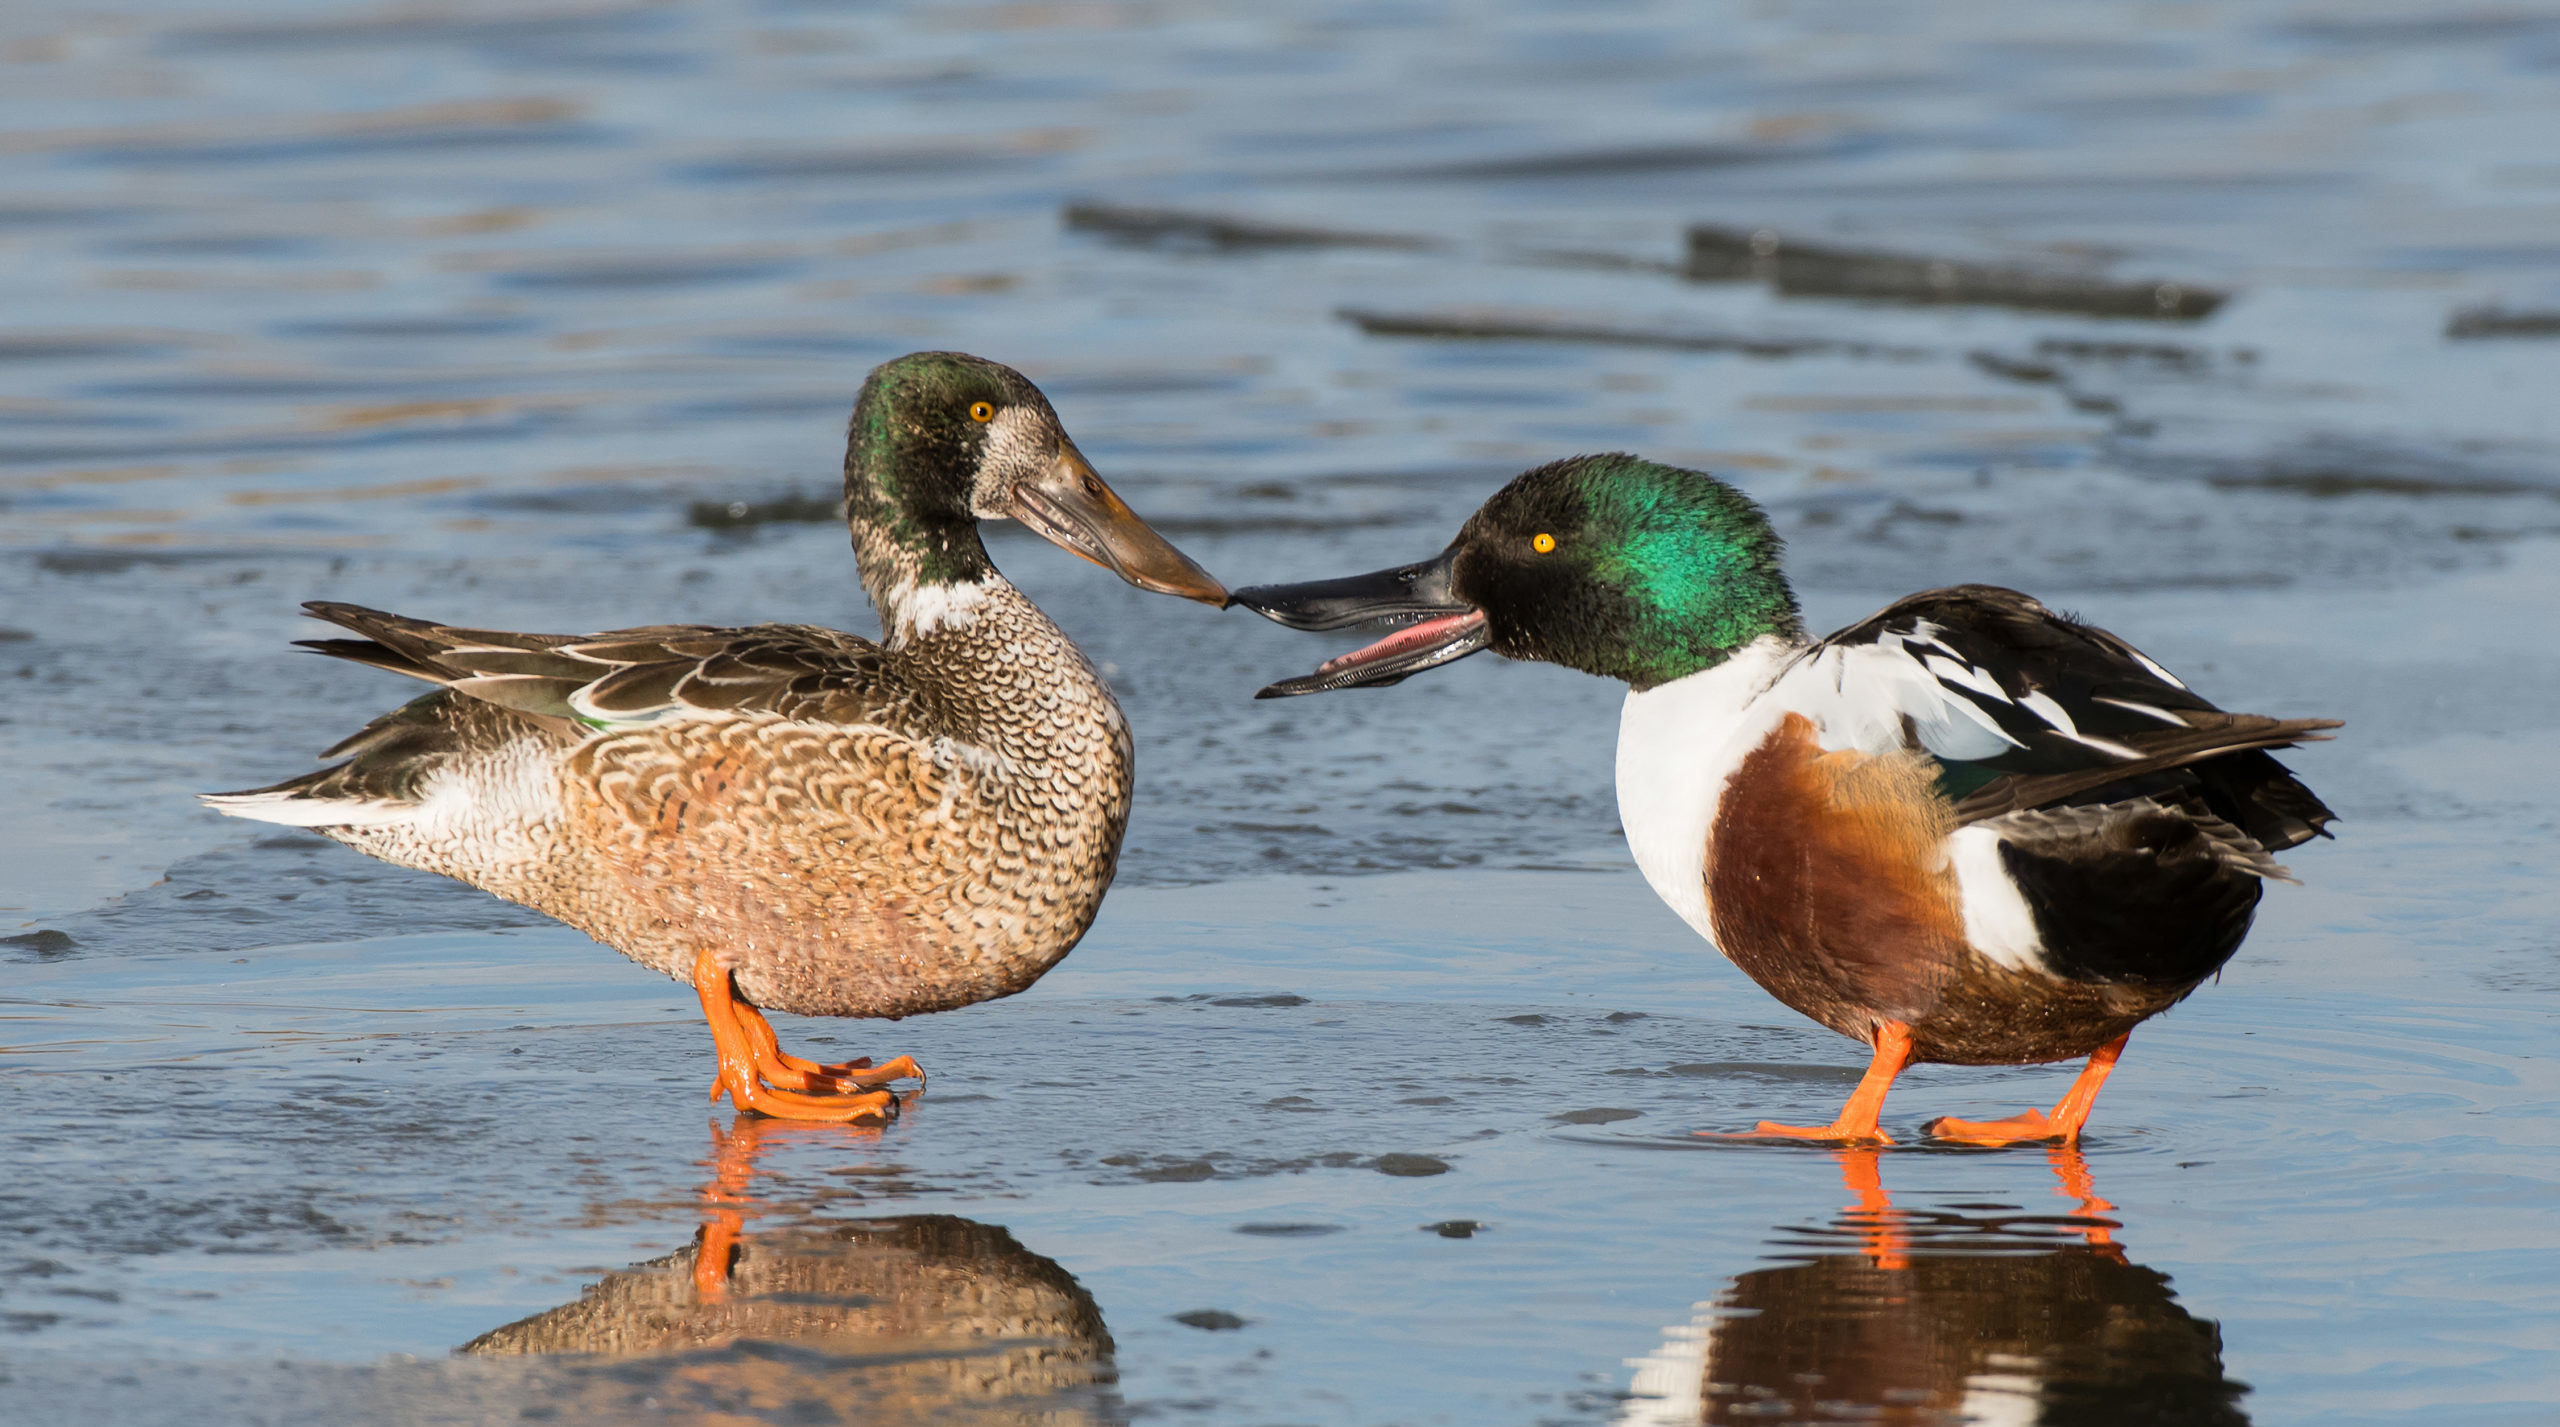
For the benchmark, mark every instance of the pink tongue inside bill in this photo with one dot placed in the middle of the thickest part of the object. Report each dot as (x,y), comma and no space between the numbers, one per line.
(1406,641)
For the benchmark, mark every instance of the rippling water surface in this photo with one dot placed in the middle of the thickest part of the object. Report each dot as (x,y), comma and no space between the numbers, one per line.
(2232,327)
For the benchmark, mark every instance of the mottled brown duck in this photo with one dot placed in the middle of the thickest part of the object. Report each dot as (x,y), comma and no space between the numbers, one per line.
(785,816)
(1966,830)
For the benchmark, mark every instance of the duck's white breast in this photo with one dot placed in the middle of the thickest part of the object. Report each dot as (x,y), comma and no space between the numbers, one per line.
(1677,744)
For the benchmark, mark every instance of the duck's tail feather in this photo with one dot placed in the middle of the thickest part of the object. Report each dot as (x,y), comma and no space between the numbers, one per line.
(306,802)
(2211,734)
(379,656)
(394,765)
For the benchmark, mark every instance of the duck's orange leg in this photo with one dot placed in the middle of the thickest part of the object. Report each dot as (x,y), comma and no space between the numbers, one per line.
(1856,1124)
(742,1080)
(2062,1125)
(785,1071)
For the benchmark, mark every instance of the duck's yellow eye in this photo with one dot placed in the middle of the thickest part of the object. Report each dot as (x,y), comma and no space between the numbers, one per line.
(1542,542)
(982,411)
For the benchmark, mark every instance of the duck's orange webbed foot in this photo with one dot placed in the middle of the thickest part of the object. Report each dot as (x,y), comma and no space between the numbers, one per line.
(743,1074)
(1843,1131)
(2025,1127)
(785,1071)
(2035,1126)
(1856,1124)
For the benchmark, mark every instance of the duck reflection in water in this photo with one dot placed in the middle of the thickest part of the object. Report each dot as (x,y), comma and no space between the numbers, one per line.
(1911,1317)
(920,1318)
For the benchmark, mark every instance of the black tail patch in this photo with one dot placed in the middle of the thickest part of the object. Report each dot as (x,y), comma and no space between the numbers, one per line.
(2146,896)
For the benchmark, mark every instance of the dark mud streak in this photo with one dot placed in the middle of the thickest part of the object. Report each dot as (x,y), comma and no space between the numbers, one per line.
(1590,260)
(1474,327)
(2333,484)
(2475,323)
(2330,468)
(78,346)
(1796,268)
(791,509)
(962,162)
(1223,1165)
(1170,227)
(2167,354)
(1601,164)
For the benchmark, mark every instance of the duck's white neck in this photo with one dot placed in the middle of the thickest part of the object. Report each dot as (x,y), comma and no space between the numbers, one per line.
(1677,743)
(913,611)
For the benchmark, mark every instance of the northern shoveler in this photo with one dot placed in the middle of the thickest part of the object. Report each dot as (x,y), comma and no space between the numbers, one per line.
(1966,830)
(787,816)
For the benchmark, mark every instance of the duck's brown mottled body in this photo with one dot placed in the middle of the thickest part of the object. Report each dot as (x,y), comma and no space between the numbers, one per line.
(1829,885)
(947,848)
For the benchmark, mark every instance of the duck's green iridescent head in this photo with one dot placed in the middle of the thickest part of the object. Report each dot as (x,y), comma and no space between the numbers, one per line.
(1624,568)
(919,443)
(942,440)
(1613,565)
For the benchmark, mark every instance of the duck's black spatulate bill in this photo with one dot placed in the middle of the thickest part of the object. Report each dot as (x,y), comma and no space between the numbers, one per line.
(1407,594)
(1432,625)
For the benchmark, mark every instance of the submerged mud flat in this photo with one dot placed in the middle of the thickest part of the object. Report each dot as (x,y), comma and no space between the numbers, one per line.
(1369,1098)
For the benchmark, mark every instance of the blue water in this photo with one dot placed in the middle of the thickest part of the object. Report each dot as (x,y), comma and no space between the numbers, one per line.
(527,315)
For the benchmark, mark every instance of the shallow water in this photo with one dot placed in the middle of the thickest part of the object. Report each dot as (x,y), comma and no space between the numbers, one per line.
(547,316)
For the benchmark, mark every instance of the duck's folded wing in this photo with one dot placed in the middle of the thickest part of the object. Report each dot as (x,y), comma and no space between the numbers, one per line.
(2024,708)
(504,692)
(631,677)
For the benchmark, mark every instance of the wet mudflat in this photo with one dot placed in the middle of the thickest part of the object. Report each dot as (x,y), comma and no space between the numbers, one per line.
(1369,1098)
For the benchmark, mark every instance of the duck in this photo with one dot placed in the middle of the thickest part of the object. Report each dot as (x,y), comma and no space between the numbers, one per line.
(790,817)
(1965,830)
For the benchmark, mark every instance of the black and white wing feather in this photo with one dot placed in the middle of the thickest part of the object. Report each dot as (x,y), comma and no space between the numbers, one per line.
(2025,709)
